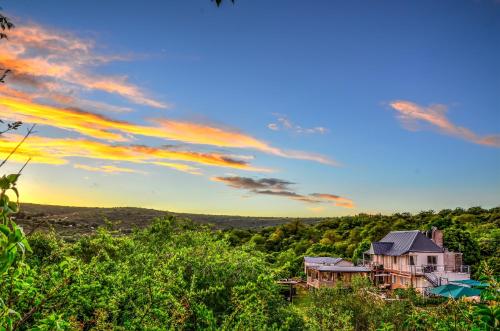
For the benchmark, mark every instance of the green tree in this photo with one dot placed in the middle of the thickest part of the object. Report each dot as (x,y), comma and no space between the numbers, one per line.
(358,253)
(460,240)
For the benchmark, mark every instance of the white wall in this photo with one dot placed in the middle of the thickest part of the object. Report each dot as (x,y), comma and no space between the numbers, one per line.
(421,258)
(402,262)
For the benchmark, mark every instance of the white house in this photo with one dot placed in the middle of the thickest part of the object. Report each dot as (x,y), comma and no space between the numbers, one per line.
(405,259)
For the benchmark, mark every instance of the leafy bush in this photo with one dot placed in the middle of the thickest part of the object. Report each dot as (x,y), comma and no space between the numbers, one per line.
(173,275)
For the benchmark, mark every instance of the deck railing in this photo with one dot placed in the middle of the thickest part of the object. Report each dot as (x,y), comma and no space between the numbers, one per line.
(416,269)
(428,268)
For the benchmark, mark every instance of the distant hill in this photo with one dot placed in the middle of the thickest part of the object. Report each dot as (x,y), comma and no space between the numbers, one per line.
(69,221)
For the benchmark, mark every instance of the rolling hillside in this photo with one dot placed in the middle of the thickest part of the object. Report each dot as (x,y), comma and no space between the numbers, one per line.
(68,221)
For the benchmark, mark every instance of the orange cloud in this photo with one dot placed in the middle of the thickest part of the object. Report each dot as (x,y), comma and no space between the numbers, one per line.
(210,135)
(25,152)
(195,133)
(337,200)
(412,114)
(64,60)
(102,127)
(281,188)
(212,159)
(86,123)
(58,151)
(118,85)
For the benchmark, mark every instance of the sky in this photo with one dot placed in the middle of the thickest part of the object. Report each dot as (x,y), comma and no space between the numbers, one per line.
(269,108)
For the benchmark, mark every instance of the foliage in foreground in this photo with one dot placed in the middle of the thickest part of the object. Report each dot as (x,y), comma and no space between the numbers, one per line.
(359,308)
(182,276)
(172,275)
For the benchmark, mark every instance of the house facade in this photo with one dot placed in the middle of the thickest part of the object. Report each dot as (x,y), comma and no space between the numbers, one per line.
(330,271)
(404,259)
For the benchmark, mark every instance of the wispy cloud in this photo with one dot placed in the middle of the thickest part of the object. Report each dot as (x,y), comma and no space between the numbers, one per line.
(110,169)
(179,166)
(254,184)
(86,123)
(59,151)
(279,187)
(197,133)
(337,200)
(103,127)
(284,123)
(60,64)
(412,116)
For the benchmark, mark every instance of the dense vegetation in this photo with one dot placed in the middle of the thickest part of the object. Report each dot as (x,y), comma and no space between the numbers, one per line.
(179,275)
(475,232)
(173,275)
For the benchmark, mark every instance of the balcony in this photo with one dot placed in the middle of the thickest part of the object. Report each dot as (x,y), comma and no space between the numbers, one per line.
(416,269)
(434,268)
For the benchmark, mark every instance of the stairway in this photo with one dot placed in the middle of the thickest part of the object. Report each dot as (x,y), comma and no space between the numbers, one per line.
(433,279)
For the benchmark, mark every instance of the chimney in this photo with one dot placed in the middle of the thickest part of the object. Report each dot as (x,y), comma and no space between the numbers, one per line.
(437,236)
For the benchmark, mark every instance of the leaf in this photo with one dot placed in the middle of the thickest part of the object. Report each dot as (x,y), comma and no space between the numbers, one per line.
(26,245)
(12,178)
(4,183)
(15,191)
(13,206)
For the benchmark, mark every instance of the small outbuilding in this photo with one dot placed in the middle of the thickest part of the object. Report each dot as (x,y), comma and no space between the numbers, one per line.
(330,271)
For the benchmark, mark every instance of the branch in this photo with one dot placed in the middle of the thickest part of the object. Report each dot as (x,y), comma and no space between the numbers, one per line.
(24,166)
(34,309)
(11,126)
(30,131)
(5,73)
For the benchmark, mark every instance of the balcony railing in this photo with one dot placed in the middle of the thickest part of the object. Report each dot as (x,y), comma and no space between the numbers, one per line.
(416,269)
(428,268)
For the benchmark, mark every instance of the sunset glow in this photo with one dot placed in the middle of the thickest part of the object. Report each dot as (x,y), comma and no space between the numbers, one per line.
(343,116)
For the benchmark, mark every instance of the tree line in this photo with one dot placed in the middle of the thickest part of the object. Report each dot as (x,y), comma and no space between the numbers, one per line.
(475,232)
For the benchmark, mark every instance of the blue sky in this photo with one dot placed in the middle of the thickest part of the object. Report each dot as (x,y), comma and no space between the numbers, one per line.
(326,74)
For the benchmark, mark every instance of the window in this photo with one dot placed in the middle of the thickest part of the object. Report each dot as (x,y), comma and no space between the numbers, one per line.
(394,259)
(432,259)
(431,263)
(412,260)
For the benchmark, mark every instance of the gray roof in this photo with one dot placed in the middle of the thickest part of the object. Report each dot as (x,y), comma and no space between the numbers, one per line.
(380,248)
(342,269)
(322,259)
(400,242)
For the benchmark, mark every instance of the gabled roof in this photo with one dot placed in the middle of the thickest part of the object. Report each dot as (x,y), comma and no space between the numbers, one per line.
(380,248)
(322,260)
(396,243)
